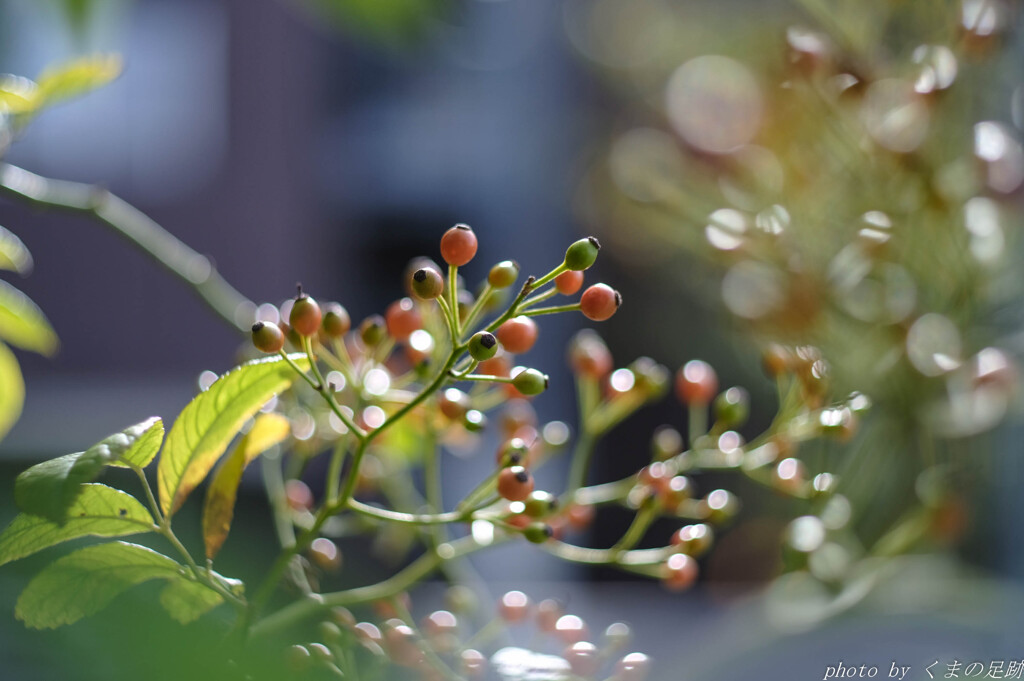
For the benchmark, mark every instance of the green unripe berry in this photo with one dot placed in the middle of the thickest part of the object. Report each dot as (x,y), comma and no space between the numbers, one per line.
(298,658)
(513,452)
(537,533)
(504,274)
(530,382)
(540,504)
(267,337)
(427,283)
(474,421)
(330,633)
(483,346)
(320,652)
(732,407)
(582,254)
(305,316)
(373,331)
(336,322)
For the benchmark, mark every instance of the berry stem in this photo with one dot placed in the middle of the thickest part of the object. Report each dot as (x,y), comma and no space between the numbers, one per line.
(539,298)
(129,222)
(513,309)
(487,378)
(461,375)
(449,318)
(636,530)
(453,293)
(555,309)
(273,481)
(550,275)
(697,421)
(478,307)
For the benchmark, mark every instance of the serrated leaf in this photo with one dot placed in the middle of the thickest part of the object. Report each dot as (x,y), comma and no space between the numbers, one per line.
(77,77)
(23,324)
(219,509)
(18,95)
(141,442)
(99,511)
(86,581)
(186,600)
(207,425)
(12,390)
(14,256)
(49,489)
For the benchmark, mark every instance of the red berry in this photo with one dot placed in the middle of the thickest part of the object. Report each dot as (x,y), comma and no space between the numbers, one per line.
(548,612)
(325,554)
(368,632)
(571,629)
(298,494)
(588,355)
(696,383)
(267,337)
(514,606)
(517,335)
(474,664)
(401,644)
(679,572)
(580,516)
(632,667)
(402,319)
(305,316)
(583,659)
(569,282)
(694,540)
(454,403)
(515,483)
(458,245)
(500,365)
(599,302)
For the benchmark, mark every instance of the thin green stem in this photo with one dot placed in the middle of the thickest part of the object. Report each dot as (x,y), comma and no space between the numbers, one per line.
(513,309)
(453,292)
(447,311)
(554,309)
(193,268)
(539,298)
(478,307)
(550,275)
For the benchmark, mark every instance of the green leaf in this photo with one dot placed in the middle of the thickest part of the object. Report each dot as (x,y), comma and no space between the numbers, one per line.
(219,509)
(86,581)
(14,256)
(49,489)
(99,511)
(23,324)
(17,95)
(77,77)
(139,443)
(186,600)
(12,390)
(207,425)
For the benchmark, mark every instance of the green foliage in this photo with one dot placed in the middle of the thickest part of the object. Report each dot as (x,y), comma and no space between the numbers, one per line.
(50,488)
(14,256)
(25,98)
(267,431)
(186,600)
(85,581)
(12,390)
(23,324)
(99,511)
(137,446)
(206,426)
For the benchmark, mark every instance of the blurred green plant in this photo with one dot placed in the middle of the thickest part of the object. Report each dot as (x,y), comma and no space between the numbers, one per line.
(842,181)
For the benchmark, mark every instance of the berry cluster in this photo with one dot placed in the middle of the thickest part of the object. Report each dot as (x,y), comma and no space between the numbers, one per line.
(448,644)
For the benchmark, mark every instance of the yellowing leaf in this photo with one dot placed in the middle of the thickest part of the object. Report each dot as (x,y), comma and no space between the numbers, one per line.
(207,425)
(23,324)
(77,77)
(86,581)
(99,511)
(17,95)
(12,390)
(219,509)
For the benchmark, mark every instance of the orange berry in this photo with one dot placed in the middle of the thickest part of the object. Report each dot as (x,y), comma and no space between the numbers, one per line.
(458,245)
(402,319)
(599,302)
(517,335)
(515,483)
(569,282)
(696,383)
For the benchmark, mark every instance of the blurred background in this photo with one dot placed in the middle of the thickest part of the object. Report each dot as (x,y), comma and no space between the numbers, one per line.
(330,141)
